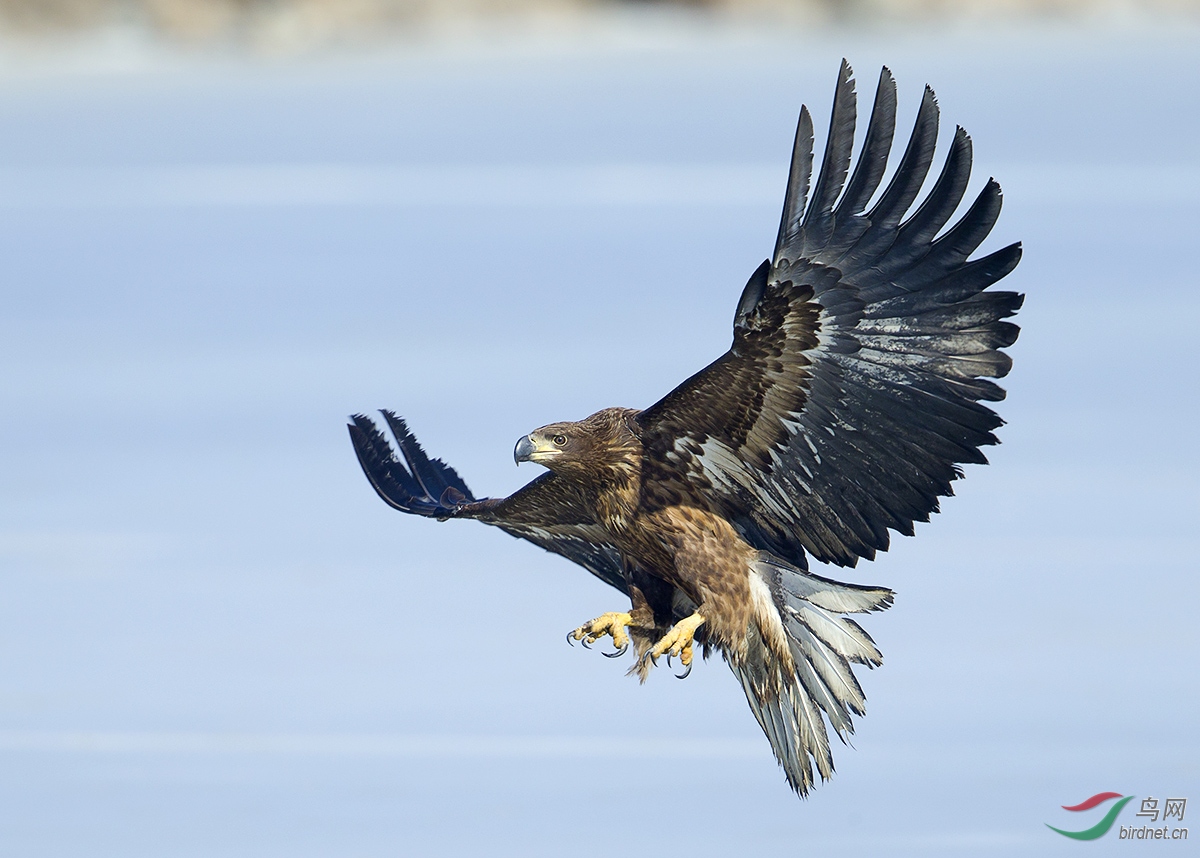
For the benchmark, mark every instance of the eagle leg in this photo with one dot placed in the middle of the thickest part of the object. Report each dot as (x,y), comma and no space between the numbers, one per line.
(611,623)
(677,642)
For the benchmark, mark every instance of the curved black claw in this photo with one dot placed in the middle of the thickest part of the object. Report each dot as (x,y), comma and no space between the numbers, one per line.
(686,673)
(571,638)
(620,652)
(586,643)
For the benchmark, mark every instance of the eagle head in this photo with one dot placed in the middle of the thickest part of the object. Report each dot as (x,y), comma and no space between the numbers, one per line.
(590,445)
(557,446)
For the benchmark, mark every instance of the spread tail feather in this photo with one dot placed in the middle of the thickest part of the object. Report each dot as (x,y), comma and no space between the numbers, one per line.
(791,679)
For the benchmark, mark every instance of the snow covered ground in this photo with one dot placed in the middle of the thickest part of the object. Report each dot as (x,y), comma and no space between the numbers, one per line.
(216,641)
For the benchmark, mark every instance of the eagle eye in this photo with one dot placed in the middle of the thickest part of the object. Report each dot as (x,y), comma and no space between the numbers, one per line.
(559,440)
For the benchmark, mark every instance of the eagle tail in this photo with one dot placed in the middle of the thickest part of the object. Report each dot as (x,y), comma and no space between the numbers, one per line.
(796,665)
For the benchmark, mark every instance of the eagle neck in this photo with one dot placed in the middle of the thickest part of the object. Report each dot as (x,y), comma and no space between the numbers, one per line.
(621,484)
(611,471)
(617,498)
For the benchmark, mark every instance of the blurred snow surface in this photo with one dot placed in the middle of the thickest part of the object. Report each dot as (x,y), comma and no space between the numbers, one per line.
(216,641)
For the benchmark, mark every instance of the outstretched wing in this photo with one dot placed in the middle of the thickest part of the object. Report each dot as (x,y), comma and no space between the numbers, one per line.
(549,512)
(851,392)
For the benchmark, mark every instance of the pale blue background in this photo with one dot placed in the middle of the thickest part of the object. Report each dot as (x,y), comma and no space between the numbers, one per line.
(216,641)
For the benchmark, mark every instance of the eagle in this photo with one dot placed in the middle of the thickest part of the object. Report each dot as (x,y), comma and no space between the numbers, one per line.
(851,395)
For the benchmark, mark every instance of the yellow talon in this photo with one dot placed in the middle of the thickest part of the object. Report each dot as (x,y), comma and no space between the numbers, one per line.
(612,623)
(678,641)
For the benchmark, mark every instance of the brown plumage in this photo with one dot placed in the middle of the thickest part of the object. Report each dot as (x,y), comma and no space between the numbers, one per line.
(843,408)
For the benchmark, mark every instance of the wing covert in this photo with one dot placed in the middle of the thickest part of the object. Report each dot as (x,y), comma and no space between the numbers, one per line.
(551,512)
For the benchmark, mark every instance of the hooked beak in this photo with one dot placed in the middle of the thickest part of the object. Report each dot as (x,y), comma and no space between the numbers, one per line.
(524,450)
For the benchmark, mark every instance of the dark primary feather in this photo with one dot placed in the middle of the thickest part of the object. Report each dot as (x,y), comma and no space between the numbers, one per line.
(851,392)
(419,485)
(799,174)
(549,511)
